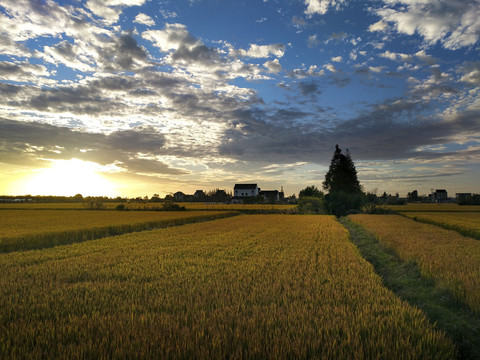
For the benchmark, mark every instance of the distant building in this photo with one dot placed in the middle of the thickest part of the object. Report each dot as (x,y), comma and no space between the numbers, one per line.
(179,196)
(270,195)
(440,195)
(199,194)
(245,190)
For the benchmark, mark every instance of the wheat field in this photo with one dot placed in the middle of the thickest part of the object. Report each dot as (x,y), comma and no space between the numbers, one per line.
(449,258)
(466,223)
(256,286)
(34,229)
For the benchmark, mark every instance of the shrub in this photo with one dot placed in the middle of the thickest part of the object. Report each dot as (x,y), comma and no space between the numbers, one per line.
(311,205)
(169,205)
(341,204)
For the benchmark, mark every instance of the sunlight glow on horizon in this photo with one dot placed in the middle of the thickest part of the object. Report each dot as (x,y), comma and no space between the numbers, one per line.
(67,178)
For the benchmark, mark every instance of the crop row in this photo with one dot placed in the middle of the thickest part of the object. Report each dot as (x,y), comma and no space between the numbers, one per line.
(36,229)
(258,286)
(449,258)
(431,207)
(148,205)
(467,223)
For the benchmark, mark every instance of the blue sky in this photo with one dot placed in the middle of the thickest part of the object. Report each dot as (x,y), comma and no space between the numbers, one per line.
(160,96)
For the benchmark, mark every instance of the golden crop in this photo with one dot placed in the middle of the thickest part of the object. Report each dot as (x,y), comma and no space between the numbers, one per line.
(257,286)
(47,206)
(33,229)
(449,258)
(216,206)
(433,207)
(467,223)
(148,205)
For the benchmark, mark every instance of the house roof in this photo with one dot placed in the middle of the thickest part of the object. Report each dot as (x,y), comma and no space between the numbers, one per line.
(245,186)
(269,192)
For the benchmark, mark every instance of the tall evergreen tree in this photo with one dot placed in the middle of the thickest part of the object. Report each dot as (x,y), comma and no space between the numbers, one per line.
(344,191)
(342,175)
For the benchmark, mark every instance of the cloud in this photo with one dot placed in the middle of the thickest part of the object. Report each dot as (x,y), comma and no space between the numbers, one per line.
(313,70)
(313,41)
(341,36)
(110,10)
(378,26)
(262,51)
(28,143)
(471,73)
(401,57)
(122,54)
(322,6)
(170,38)
(330,68)
(209,65)
(453,23)
(336,59)
(21,71)
(144,19)
(298,22)
(308,88)
(10,47)
(67,54)
(375,135)
(273,66)
(369,69)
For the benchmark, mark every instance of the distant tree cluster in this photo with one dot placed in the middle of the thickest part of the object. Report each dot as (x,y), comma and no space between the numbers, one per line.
(470,200)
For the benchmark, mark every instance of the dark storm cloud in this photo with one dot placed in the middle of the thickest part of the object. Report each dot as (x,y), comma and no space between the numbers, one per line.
(197,54)
(340,81)
(79,100)
(362,70)
(471,73)
(152,167)
(7,89)
(21,71)
(290,115)
(25,143)
(121,53)
(388,131)
(115,83)
(64,50)
(308,88)
(10,47)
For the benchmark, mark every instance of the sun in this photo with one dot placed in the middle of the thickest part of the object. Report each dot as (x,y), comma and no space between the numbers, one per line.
(70,177)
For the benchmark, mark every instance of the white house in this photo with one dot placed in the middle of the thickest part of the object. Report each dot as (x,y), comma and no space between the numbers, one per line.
(244,190)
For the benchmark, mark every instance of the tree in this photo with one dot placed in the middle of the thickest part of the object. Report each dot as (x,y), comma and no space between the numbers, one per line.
(413,196)
(311,205)
(310,191)
(344,191)
(342,175)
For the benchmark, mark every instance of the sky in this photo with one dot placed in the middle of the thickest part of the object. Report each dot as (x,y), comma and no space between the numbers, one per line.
(142,97)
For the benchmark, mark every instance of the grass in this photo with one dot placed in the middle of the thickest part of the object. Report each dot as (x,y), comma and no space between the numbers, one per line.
(404,278)
(257,286)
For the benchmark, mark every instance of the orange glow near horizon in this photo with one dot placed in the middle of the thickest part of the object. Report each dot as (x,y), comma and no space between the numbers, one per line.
(67,178)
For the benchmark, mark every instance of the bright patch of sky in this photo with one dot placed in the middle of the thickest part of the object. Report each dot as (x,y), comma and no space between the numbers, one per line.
(182,95)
